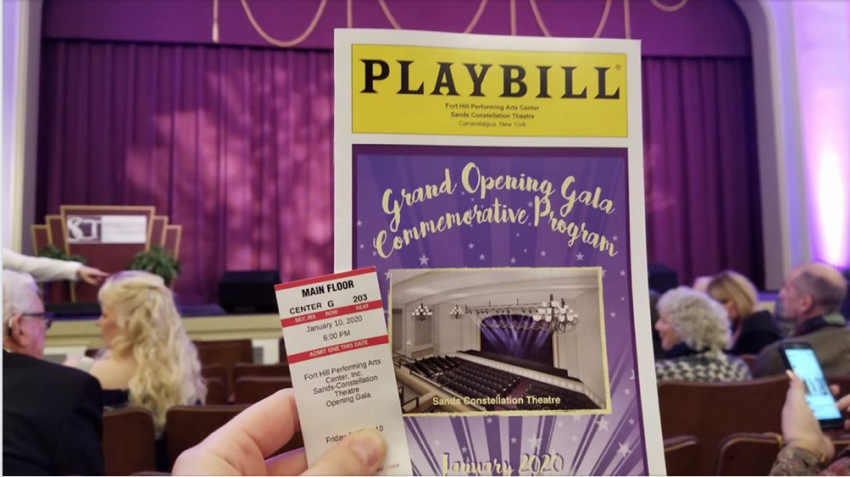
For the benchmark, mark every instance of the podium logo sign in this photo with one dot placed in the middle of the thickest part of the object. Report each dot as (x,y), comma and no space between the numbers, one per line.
(101,229)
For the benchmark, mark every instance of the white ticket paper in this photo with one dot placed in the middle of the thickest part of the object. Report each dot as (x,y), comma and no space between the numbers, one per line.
(341,363)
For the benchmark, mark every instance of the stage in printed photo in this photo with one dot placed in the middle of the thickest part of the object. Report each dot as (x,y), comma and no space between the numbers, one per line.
(499,340)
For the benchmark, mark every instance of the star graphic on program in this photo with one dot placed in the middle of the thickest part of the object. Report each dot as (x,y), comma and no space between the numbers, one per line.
(513,260)
(624,450)
(423,260)
(481,257)
(387,275)
(579,256)
(533,442)
(603,424)
(513,440)
(489,420)
(471,246)
(622,273)
(543,253)
(359,223)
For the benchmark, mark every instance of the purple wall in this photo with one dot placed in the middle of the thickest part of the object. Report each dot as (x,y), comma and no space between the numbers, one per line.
(683,28)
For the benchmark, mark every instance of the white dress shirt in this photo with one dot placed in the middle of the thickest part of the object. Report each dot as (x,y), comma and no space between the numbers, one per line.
(41,268)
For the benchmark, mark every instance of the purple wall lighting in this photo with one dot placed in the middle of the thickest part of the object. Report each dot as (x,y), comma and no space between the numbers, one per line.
(823,67)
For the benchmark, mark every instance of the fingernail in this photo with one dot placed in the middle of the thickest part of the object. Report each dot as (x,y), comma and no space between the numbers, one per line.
(368,445)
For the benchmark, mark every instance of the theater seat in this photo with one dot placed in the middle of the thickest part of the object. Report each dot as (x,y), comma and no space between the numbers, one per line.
(242,370)
(216,391)
(712,411)
(128,436)
(187,426)
(227,354)
(251,389)
(681,455)
(746,453)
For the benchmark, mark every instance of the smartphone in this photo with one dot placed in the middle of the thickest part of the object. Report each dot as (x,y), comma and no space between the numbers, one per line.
(800,358)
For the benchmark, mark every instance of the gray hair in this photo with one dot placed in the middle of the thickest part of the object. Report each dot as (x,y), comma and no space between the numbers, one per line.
(826,285)
(698,320)
(19,290)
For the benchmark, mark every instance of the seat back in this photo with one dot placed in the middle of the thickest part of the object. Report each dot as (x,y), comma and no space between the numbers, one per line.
(128,441)
(747,453)
(187,426)
(712,411)
(251,389)
(243,370)
(225,354)
(681,455)
(216,391)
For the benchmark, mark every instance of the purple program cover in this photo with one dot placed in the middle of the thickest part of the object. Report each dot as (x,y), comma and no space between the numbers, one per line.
(592,443)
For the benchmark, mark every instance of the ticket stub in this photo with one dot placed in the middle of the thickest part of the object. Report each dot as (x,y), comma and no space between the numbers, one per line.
(341,363)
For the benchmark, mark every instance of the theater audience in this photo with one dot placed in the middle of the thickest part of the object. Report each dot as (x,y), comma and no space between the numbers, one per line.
(752,329)
(811,292)
(694,332)
(807,449)
(241,446)
(52,421)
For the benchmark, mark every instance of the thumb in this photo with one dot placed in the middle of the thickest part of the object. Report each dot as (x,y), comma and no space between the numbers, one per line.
(796,390)
(361,453)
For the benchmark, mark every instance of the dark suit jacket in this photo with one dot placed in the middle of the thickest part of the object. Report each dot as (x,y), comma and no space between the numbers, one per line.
(52,419)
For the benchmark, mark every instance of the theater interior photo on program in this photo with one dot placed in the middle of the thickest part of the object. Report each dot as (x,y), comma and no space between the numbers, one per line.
(499,340)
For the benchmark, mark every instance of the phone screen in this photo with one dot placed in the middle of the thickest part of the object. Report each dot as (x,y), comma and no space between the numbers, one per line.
(805,364)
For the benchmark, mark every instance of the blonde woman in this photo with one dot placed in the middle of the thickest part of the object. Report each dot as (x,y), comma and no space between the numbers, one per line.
(149,360)
(752,329)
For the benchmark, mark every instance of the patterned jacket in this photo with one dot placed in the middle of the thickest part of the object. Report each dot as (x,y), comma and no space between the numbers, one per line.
(707,366)
(796,461)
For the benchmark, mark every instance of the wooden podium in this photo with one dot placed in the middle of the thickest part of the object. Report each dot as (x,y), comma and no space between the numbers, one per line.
(107,236)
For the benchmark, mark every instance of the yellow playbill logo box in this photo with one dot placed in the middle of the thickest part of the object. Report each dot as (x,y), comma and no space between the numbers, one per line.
(425,90)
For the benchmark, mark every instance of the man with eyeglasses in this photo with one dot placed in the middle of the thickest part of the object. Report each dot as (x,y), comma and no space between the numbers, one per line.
(52,414)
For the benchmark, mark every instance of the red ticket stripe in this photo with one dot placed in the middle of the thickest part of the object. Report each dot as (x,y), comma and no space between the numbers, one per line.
(338,348)
(324,278)
(332,313)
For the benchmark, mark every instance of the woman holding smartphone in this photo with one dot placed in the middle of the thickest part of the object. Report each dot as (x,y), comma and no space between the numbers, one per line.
(808,450)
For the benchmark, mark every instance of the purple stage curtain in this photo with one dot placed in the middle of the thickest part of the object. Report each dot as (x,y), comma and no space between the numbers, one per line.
(234,144)
(700,167)
(508,335)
